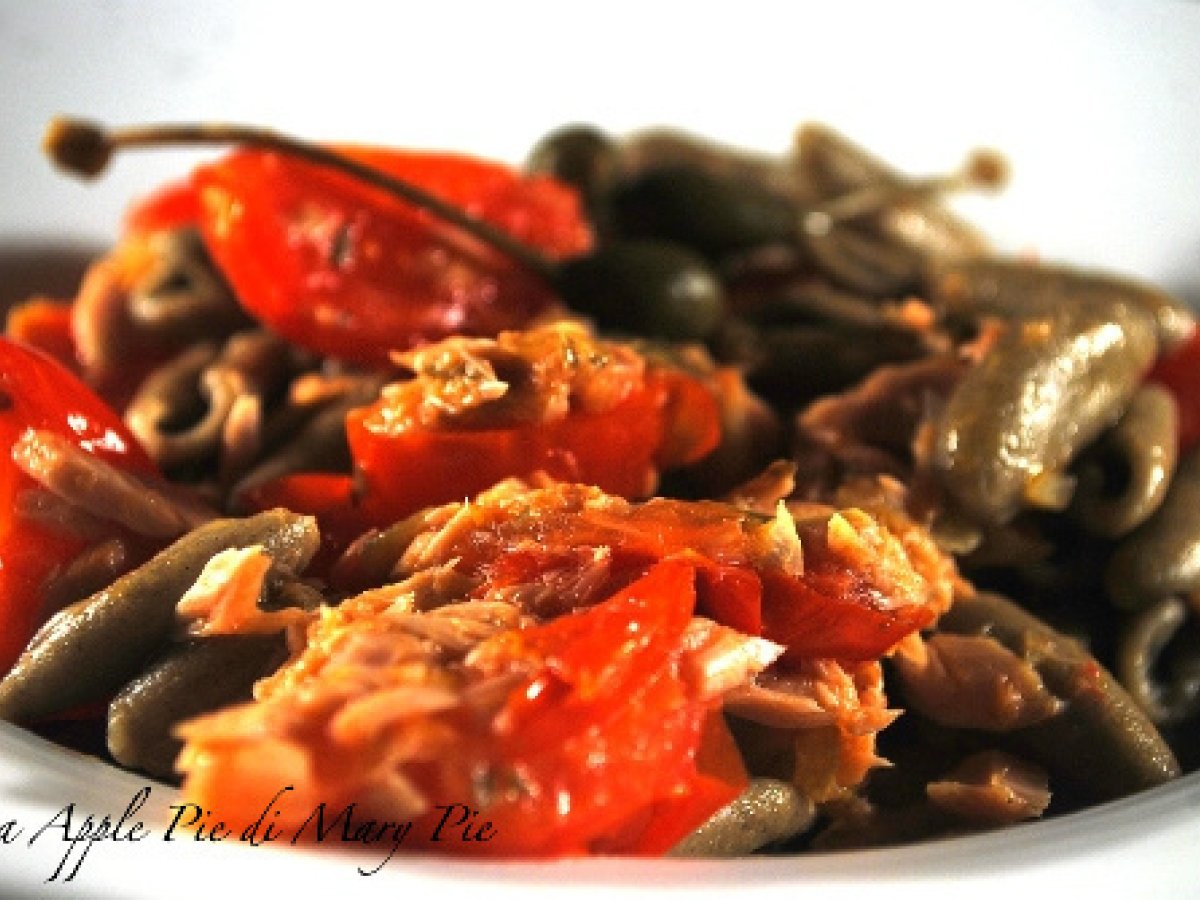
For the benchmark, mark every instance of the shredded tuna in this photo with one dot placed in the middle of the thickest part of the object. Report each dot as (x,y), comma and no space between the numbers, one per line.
(991,789)
(379,688)
(763,493)
(819,693)
(721,660)
(878,559)
(425,590)
(872,428)
(891,503)
(476,574)
(578,521)
(101,490)
(225,597)
(458,628)
(832,761)
(841,584)
(356,705)
(828,714)
(536,375)
(972,681)
(778,702)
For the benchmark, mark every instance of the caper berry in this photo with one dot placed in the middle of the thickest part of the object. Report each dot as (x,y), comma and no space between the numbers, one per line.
(582,156)
(712,214)
(654,288)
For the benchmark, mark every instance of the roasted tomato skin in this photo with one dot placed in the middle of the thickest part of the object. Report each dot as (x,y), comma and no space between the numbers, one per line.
(39,393)
(174,205)
(346,270)
(834,613)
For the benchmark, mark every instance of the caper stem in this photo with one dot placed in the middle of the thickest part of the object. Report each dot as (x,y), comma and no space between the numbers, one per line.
(84,148)
(983,169)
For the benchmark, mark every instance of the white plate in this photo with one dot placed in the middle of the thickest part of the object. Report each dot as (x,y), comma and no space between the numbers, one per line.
(1139,847)
(1096,104)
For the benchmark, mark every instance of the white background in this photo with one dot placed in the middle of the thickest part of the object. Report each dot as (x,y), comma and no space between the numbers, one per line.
(1097,103)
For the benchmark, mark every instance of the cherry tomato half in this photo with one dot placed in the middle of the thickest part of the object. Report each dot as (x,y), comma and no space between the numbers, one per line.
(36,392)
(669,421)
(347,270)
(605,734)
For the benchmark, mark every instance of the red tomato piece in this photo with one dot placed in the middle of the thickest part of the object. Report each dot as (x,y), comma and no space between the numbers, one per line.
(613,751)
(731,595)
(172,206)
(669,421)
(36,392)
(1179,372)
(835,614)
(846,606)
(668,821)
(347,270)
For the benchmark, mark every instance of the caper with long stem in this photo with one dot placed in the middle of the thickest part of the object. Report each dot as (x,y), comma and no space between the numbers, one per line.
(983,169)
(720,215)
(682,283)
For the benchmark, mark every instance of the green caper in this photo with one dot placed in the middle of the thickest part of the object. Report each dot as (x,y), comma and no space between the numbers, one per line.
(712,214)
(653,288)
(582,156)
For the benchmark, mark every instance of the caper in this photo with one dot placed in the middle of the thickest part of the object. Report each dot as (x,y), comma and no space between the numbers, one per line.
(583,156)
(654,288)
(712,214)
